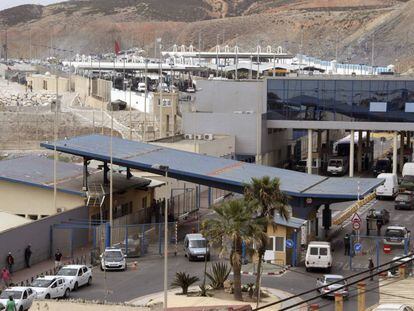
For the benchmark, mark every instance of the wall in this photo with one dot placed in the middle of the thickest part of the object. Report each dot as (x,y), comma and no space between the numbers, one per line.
(242,126)
(61,305)
(31,200)
(37,234)
(278,231)
(228,96)
(40,81)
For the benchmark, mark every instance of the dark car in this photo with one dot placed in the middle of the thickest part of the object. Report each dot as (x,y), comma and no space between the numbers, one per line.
(300,166)
(382,166)
(381,216)
(404,200)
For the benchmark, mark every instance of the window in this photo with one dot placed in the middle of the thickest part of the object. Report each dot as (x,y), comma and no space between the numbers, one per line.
(269,244)
(314,251)
(44,85)
(25,295)
(85,269)
(80,272)
(54,285)
(378,106)
(144,202)
(323,251)
(280,244)
(409,107)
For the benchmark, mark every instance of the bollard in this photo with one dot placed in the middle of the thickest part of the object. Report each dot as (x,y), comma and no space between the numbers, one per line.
(361,296)
(314,307)
(339,302)
(401,271)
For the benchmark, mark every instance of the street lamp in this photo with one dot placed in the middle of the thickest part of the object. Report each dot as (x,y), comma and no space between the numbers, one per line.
(164,169)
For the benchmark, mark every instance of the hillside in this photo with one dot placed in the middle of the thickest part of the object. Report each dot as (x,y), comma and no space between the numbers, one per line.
(91,26)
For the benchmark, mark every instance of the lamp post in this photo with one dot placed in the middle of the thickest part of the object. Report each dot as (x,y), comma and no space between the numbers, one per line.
(164,169)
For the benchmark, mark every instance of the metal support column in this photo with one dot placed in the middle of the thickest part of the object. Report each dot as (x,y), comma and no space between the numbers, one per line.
(85,175)
(401,150)
(359,152)
(394,153)
(351,154)
(309,160)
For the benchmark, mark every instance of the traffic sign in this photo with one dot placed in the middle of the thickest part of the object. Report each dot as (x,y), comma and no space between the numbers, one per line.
(357,247)
(356,225)
(289,243)
(356,218)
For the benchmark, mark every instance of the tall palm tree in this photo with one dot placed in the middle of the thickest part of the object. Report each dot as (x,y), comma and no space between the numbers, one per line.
(235,222)
(266,195)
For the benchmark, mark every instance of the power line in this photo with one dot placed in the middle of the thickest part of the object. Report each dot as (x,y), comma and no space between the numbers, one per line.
(339,281)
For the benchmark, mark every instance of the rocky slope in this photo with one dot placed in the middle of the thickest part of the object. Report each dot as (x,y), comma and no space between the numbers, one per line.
(345,28)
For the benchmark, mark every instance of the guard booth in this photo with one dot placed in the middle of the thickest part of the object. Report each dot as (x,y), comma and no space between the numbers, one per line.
(284,240)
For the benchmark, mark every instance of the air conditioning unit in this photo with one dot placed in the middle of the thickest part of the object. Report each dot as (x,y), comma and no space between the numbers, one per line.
(208,136)
(188,136)
(60,209)
(199,137)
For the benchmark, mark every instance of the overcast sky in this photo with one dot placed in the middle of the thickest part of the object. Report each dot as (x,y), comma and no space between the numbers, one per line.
(5,4)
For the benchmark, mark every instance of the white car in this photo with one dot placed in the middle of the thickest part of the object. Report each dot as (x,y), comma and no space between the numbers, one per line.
(22,296)
(113,259)
(393,307)
(397,235)
(50,286)
(76,276)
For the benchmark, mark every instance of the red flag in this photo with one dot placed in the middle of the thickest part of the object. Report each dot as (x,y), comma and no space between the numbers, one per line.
(117,48)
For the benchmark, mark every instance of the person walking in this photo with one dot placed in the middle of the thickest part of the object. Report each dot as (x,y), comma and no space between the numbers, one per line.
(347,244)
(10,262)
(5,276)
(27,255)
(371,269)
(58,258)
(11,305)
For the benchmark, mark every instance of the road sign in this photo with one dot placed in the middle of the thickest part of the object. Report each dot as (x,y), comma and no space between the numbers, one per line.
(357,247)
(356,225)
(356,218)
(387,249)
(289,243)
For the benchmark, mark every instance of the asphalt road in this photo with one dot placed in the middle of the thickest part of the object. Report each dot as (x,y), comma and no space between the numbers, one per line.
(148,278)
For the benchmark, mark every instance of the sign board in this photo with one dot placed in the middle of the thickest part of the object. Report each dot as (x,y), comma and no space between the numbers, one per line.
(356,218)
(357,247)
(356,225)
(308,200)
(289,243)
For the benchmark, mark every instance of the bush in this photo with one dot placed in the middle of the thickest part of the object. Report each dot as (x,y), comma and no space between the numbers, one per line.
(218,275)
(184,281)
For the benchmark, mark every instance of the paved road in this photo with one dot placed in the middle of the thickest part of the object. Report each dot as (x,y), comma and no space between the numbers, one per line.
(125,286)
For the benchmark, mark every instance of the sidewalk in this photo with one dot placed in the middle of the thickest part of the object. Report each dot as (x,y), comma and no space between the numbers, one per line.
(267,269)
(396,290)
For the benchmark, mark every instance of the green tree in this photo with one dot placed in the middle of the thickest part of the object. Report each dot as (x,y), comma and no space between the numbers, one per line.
(235,221)
(268,199)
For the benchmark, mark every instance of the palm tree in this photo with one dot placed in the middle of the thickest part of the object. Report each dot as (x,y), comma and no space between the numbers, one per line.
(266,195)
(234,221)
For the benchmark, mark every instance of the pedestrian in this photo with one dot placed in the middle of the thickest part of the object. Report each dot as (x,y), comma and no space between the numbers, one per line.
(10,262)
(5,276)
(11,305)
(347,244)
(371,269)
(58,258)
(27,255)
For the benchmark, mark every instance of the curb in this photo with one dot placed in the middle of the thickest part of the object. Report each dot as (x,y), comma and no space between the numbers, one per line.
(280,273)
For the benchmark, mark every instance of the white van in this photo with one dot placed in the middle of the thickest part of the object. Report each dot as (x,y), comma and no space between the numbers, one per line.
(390,186)
(319,256)
(337,166)
(408,169)
(142,87)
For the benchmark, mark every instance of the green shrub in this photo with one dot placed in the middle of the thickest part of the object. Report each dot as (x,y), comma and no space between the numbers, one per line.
(184,281)
(218,275)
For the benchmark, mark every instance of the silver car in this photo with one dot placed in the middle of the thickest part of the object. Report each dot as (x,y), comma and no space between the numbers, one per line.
(340,285)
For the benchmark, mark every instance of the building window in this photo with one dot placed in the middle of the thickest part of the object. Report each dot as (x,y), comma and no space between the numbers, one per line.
(279,244)
(270,243)
(144,202)
(44,85)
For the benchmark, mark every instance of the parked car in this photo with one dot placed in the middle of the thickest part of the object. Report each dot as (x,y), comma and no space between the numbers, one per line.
(399,260)
(382,216)
(404,200)
(382,166)
(300,166)
(141,87)
(340,285)
(134,246)
(23,297)
(190,90)
(76,275)
(390,186)
(113,259)
(393,307)
(50,286)
(2,307)
(195,247)
(397,235)
(319,256)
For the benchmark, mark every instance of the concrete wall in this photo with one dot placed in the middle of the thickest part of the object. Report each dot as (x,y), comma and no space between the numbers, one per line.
(23,199)
(228,96)
(38,234)
(61,305)
(48,83)
(241,126)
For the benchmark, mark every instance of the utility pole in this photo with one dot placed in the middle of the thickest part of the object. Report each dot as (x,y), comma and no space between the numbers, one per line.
(301,48)
(372,52)
(5,46)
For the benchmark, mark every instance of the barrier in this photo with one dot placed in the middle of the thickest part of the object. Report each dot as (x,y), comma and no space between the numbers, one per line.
(352,209)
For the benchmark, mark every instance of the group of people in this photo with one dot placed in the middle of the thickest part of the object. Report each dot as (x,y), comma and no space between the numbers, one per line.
(7,271)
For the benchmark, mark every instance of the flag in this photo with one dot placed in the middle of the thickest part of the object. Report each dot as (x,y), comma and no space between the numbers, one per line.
(117,48)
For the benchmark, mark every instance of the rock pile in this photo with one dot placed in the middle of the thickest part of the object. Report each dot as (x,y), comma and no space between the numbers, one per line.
(8,99)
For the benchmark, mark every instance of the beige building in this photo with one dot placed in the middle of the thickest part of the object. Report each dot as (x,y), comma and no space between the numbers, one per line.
(167,113)
(27,189)
(48,82)
(10,221)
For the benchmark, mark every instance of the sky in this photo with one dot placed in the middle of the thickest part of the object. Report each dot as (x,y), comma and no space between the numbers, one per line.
(5,4)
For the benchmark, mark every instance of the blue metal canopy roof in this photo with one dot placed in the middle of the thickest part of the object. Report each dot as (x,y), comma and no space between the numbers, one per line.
(211,171)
